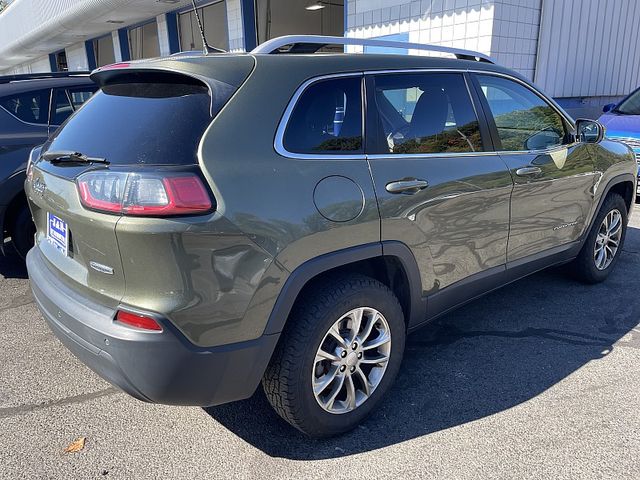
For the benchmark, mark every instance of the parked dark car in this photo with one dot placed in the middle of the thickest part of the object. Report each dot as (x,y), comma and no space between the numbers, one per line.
(205,223)
(32,106)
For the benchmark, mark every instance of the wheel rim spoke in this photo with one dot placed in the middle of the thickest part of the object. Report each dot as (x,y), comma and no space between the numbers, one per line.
(351,393)
(364,381)
(369,328)
(335,391)
(324,355)
(335,333)
(378,360)
(323,382)
(349,365)
(356,322)
(377,342)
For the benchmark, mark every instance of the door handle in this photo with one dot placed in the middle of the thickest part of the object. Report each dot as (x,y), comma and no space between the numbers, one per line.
(408,186)
(526,171)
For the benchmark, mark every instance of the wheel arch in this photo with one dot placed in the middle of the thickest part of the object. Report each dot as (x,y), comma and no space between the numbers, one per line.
(391,263)
(621,184)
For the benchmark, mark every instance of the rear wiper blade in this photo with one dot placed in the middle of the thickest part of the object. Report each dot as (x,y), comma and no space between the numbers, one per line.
(71,157)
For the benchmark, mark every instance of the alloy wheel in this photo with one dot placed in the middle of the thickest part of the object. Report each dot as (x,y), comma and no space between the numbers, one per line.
(608,239)
(351,360)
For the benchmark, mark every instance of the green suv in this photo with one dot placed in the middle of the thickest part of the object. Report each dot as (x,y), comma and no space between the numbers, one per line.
(209,222)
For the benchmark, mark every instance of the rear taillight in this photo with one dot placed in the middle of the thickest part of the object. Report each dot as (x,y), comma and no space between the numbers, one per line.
(138,321)
(143,193)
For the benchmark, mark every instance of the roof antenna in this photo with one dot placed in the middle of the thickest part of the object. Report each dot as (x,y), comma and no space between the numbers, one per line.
(206,48)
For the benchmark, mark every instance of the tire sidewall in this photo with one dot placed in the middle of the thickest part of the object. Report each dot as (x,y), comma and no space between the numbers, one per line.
(315,416)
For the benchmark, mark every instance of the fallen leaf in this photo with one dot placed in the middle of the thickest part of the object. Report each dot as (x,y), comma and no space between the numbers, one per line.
(75,446)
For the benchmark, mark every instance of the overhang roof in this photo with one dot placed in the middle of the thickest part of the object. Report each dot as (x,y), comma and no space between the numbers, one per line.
(30,29)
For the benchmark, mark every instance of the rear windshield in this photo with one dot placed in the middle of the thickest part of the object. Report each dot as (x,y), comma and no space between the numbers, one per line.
(139,123)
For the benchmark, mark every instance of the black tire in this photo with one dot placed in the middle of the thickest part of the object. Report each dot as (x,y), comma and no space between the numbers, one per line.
(584,266)
(288,379)
(22,231)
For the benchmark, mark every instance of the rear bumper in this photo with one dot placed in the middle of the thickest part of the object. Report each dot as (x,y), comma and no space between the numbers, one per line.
(159,367)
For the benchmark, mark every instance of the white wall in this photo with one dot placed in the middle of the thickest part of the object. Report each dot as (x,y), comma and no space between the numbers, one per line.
(235,26)
(163,35)
(589,48)
(37,66)
(514,40)
(77,57)
(460,23)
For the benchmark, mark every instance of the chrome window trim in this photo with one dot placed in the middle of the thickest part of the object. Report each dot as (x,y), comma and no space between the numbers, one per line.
(284,122)
(279,145)
(535,90)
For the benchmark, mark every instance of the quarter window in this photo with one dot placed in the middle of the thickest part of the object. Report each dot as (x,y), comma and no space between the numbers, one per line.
(524,120)
(31,107)
(424,113)
(327,119)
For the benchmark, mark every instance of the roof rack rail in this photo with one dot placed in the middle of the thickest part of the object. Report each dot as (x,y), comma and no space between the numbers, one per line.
(313,43)
(33,76)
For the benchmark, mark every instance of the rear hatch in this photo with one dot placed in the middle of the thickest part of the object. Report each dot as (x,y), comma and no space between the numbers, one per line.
(130,150)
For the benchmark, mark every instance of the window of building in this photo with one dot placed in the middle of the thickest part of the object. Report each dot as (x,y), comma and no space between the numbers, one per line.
(104,52)
(523,119)
(61,61)
(143,41)
(214,23)
(31,107)
(424,113)
(297,17)
(327,119)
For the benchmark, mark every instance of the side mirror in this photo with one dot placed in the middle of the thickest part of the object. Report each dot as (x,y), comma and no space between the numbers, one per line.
(589,131)
(608,107)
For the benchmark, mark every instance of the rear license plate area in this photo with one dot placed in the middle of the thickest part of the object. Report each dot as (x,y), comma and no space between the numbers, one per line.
(58,233)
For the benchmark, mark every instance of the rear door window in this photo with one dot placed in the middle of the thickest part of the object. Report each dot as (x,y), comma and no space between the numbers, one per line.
(424,113)
(327,119)
(30,107)
(139,123)
(68,100)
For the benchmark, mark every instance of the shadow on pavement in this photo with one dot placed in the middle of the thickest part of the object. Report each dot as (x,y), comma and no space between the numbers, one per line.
(488,356)
(11,265)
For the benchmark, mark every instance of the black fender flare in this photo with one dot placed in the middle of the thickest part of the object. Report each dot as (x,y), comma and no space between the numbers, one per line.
(323,263)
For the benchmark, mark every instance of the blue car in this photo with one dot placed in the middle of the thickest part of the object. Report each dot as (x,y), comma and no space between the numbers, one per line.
(623,123)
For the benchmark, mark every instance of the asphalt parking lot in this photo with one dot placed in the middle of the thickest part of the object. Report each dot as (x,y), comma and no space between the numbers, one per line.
(538,380)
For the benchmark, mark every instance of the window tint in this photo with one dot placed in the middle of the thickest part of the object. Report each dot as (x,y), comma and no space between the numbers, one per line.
(631,105)
(80,95)
(523,119)
(140,123)
(32,107)
(327,119)
(62,107)
(66,101)
(425,113)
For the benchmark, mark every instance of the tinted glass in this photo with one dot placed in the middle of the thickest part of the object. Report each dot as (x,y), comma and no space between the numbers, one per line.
(425,113)
(139,123)
(80,95)
(327,119)
(631,105)
(523,119)
(62,107)
(32,107)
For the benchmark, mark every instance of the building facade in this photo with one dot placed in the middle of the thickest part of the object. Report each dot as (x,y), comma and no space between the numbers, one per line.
(583,52)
